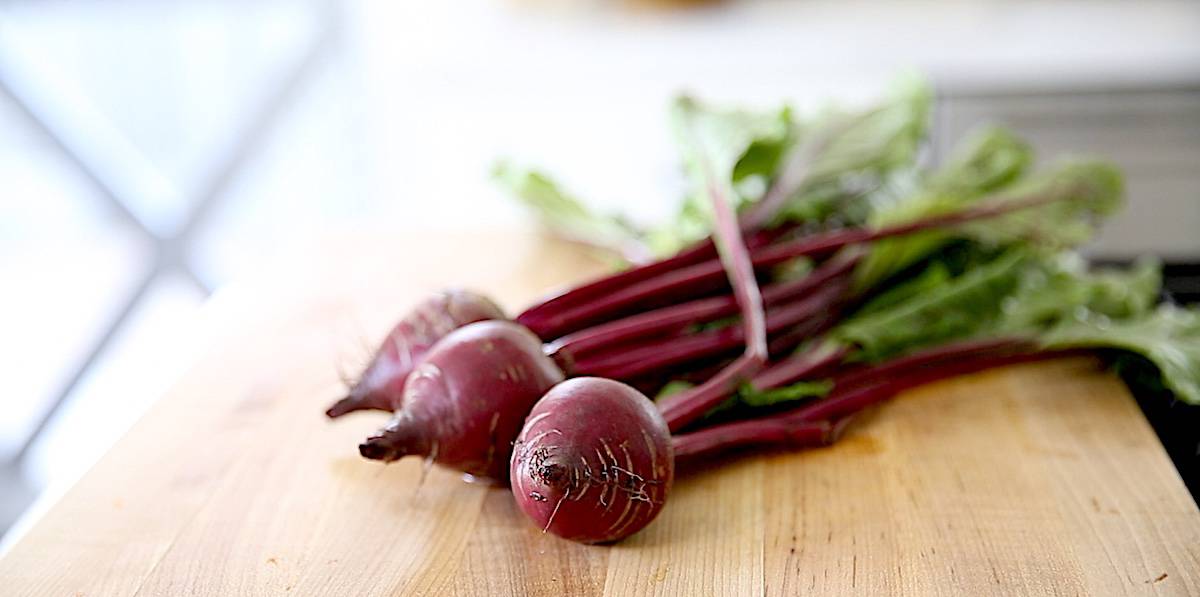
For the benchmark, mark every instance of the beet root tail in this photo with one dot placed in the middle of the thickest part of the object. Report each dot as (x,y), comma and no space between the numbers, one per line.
(344,406)
(399,439)
(356,401)
(377,448)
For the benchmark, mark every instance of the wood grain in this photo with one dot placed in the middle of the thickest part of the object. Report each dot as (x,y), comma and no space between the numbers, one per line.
(1036,480)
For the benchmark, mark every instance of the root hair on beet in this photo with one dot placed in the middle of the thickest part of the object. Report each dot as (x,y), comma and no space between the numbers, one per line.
(557,505)
(427,465)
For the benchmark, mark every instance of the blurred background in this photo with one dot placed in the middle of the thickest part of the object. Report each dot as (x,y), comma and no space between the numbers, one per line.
(153,152)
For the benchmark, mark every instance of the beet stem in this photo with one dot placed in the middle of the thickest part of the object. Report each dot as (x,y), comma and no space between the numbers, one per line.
(659,355)
(821,422)
(867,374)
(778,433)
(785,342)
(707,276)
(534,316)
(850,400)
(541,317)
(735,256)
(795,175)
(797,367)
(682,409)
(609,336)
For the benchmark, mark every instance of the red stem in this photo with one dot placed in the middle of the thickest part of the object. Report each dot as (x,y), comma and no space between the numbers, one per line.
(684,408)
(689,281)
(785,342)
(735,256)
(532,317)
(541,315)
(795,174)
(853,399)
(868,374)
(668,288)
(660,354)
(705,444)
(675,317)
(798,367)
(820,243)
(811,426)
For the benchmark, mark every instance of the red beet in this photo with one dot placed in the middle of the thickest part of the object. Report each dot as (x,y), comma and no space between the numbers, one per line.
(465,403)
(381,385)
(594,461)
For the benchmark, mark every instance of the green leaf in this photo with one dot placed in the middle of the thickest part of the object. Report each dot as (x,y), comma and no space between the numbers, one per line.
(987,161)
(957,308)
(1063,288)
(838,155)
(737,149)
(802,390)
(1124,293)
(1169,337)
(849,156)
(674,386)
(724,138)
(1054,300)
(845,155)
(1074,198)
(1064,305)
(929,280)
(875,140)
(761,158)
(1082,193)
(566,216)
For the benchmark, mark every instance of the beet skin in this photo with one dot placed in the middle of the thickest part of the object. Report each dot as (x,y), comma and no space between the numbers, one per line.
(381,385)
(465,403)
(594,461)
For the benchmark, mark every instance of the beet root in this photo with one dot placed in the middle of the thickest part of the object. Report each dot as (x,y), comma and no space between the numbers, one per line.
(465,403)
(594,461)
(381,385)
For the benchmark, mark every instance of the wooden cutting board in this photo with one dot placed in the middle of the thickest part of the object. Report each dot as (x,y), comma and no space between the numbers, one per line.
(1035,480)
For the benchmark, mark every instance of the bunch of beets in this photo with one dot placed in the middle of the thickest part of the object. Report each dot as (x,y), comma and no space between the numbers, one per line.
(555,402)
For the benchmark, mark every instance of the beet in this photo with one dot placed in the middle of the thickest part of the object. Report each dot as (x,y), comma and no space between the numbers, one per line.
(381,385)
(594,462)
(465,403)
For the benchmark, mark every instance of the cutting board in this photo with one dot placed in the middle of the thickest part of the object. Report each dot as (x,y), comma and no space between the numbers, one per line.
(1032,480)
